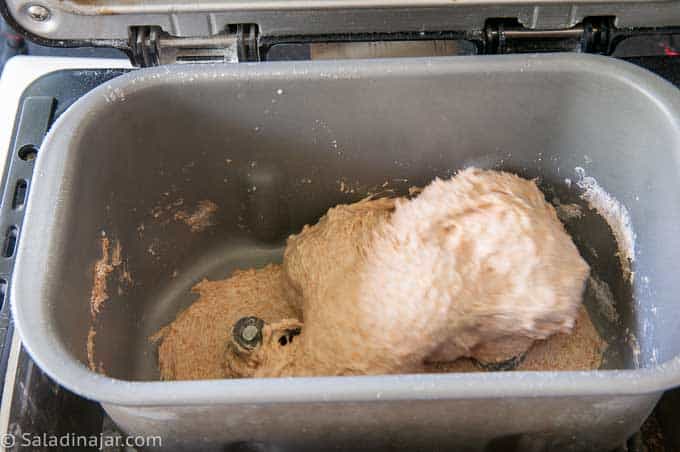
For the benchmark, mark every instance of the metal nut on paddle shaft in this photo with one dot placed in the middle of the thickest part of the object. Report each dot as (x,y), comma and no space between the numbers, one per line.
(247,332)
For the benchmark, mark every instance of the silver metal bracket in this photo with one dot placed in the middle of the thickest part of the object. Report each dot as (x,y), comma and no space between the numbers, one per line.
(151,46)
(508,36)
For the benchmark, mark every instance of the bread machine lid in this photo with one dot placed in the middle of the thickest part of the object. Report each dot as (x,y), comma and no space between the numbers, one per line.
(161,31)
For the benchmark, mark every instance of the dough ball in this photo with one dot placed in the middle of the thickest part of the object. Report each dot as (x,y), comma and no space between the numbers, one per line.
(333,246)
(476,266)
(196,344)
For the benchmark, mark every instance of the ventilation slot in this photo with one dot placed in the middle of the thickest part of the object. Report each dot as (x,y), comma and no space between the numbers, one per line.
(10,241)
(19,198)
(3,291)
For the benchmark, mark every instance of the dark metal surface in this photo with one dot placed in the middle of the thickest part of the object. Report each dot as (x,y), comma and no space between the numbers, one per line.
(667,67)
(11,43)
(34,118)
(42,407)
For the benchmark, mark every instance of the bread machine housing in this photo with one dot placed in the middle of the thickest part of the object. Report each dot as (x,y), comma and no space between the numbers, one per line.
(300,131)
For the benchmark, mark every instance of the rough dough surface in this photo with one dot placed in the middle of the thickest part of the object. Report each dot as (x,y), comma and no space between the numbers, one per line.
(333,246)
(195,345)
(582,349)
(476,266)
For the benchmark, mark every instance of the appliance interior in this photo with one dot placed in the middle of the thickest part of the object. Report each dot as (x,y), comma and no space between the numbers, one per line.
(273,149)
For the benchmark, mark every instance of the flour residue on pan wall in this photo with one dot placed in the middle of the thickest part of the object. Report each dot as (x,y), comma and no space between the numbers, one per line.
(111,260)
(615,214)
(200,218)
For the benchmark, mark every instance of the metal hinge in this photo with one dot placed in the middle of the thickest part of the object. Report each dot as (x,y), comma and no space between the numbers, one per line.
(151,46)
(509,36)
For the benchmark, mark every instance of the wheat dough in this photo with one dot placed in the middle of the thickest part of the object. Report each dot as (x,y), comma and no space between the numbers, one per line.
(196,344)
(582,349)
(183,357)
(476,266)
(333,246)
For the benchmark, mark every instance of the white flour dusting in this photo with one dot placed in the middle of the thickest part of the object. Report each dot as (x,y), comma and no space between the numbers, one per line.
(614,213)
